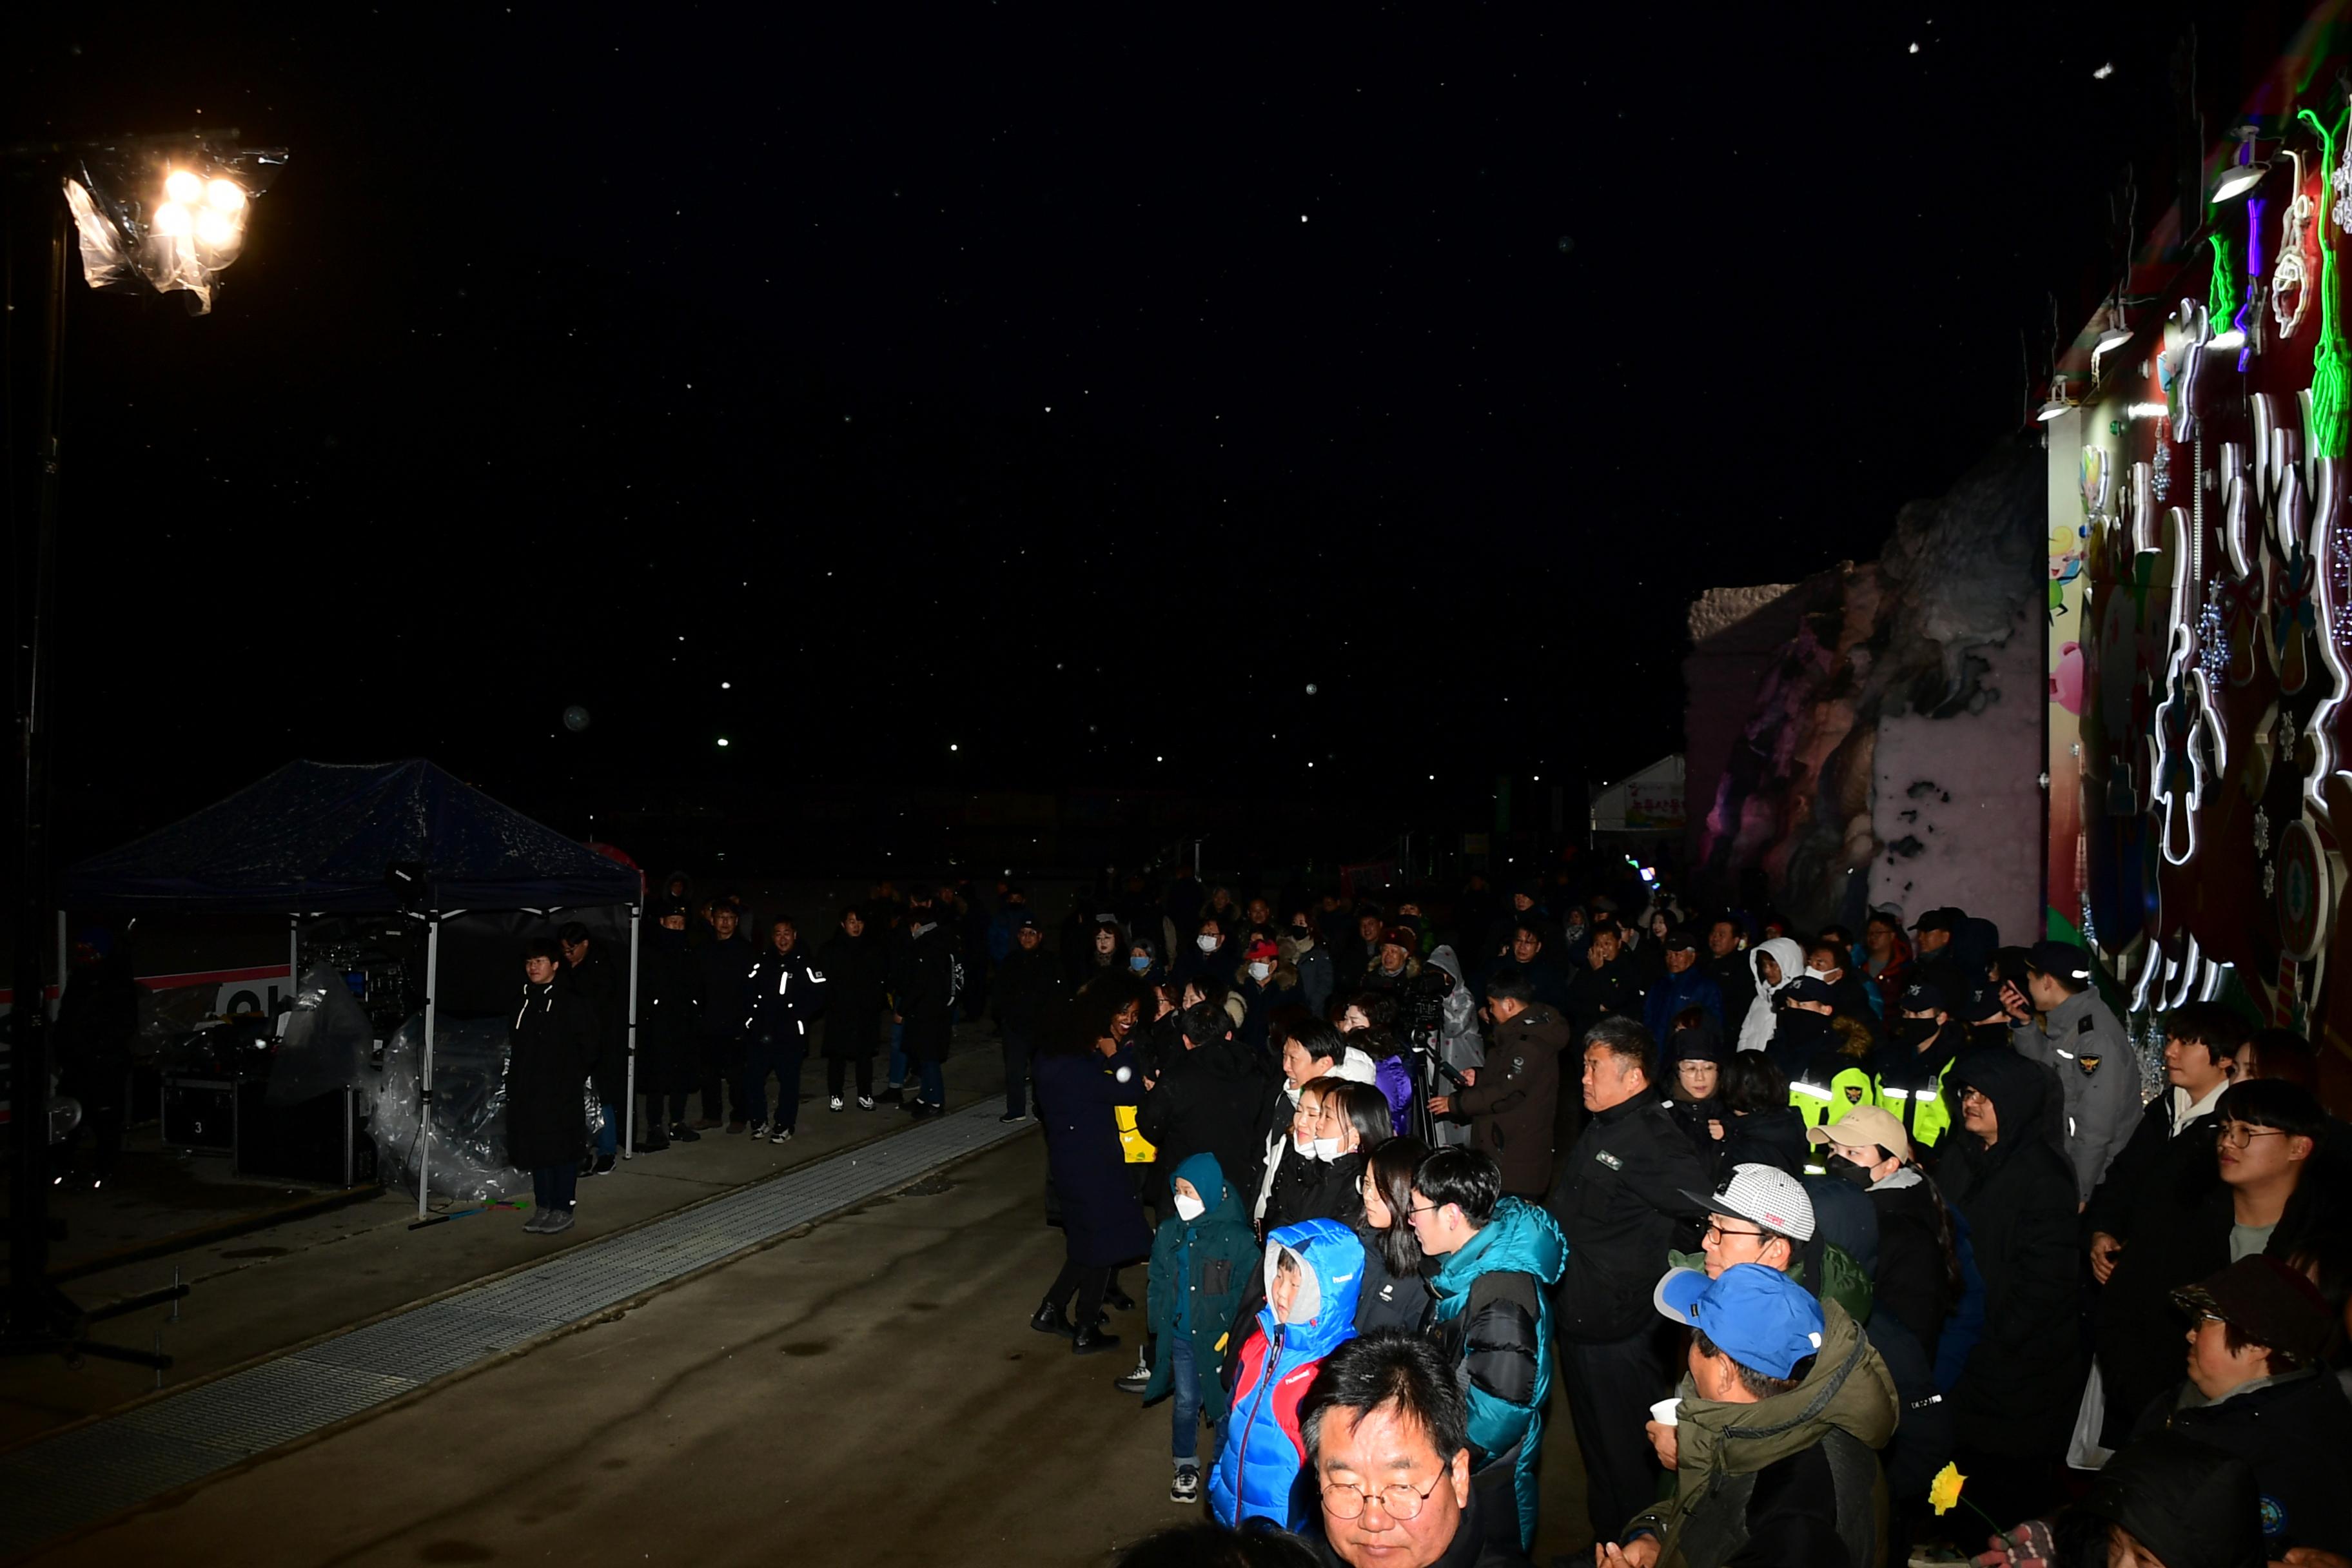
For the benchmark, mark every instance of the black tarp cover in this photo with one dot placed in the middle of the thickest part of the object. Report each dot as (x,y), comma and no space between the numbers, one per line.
(315,837)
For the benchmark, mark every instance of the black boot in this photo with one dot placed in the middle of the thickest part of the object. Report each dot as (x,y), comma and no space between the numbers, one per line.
(1087,1340)
(1117,1300)
(1049,1318)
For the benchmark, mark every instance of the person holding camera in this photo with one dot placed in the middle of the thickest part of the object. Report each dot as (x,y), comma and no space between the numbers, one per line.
(1512,1101)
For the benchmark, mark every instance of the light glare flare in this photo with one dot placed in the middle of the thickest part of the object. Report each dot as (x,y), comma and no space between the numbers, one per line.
(183,187)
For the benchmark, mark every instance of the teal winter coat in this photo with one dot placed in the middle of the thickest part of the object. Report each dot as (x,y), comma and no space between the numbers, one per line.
(1200,1270)
(1503,1345)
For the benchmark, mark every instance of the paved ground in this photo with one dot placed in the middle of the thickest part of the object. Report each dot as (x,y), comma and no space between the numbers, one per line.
(266,1291)
(865,1392)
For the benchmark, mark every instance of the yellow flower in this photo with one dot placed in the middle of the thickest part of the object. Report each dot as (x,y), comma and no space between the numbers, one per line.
(1944,1491)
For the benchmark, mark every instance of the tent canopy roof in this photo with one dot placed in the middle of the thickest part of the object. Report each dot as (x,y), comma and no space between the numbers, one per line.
(323,837)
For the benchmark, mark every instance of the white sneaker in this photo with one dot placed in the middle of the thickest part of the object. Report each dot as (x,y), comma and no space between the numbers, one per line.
(864,1102)
(782,1135)
(834,1104)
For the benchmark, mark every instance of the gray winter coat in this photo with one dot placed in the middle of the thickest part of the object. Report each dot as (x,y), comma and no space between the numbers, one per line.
(2098,1072)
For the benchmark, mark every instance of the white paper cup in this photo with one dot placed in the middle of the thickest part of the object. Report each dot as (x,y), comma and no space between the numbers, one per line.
(1663,1412)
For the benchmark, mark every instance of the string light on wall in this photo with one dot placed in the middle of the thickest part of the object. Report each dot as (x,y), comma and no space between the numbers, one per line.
(2291,277)
(2331,379)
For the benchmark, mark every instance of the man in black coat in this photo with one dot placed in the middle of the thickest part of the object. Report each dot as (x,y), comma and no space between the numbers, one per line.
(2154,1223)
(1029,992)
(587,972)
(923,986)
(1513,1102)
(2016,1399)
(549,1054)
(787,995)
(2260,1387)
(1735,976)
(723,1004)
(1604,983)
(665,1038)
(1620,1201)
(1207,1100)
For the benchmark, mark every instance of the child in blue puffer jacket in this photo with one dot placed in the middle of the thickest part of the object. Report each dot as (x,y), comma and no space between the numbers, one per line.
(1313,1272)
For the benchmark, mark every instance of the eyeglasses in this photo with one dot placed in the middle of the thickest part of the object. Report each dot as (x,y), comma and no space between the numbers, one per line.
(1417,1208)
(1970,1096)
(1344,1499)
(1723,1233)
(2237,1134)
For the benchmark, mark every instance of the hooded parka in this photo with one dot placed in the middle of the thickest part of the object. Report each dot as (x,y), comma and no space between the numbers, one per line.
(2023,1380)
(1259,1464)
(1200,1270)
(1793,1478)
(1756,1026)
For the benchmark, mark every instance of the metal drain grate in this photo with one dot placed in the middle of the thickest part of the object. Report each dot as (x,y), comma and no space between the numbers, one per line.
(100,1468)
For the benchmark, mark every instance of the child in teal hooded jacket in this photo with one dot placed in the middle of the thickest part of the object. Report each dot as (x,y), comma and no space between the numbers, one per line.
(1202,1260)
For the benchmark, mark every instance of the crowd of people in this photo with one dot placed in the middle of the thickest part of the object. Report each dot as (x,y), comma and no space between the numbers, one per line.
(1903,1191)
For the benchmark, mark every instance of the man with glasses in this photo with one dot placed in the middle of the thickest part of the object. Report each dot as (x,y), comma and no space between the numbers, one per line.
(1388,1444)
(2270,1129)
(1619,1202)
(1761,1215)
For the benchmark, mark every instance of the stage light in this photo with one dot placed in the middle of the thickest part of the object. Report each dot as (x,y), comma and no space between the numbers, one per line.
(224,195)
(2238,180)
(183,187)
(171,220)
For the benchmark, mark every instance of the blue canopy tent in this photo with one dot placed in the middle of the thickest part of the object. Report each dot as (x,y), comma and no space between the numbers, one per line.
(343,838)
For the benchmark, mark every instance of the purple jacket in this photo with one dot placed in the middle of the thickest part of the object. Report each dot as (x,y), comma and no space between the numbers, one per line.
(1395,1082)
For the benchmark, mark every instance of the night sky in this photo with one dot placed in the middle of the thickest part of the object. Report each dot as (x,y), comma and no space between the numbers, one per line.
(1000,397)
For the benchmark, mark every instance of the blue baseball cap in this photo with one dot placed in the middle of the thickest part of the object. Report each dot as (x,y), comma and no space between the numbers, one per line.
(1758,1316)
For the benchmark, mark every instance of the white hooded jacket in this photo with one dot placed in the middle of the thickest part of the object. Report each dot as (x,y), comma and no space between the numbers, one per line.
(1755,1029)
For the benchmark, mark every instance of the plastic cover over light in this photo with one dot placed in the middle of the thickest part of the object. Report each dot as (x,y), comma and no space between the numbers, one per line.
(166,214)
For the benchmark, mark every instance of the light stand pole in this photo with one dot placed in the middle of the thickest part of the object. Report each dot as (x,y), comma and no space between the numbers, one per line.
(179,242)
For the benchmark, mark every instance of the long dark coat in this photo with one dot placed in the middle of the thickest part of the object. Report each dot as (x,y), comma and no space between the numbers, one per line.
(606,991)
(1076,1095)
(549,1054)
(667,987)
(925,990)
(857,983)
(2018,1392)
(2163,1198)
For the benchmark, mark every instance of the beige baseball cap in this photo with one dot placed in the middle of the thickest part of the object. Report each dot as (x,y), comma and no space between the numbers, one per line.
(1862,1127)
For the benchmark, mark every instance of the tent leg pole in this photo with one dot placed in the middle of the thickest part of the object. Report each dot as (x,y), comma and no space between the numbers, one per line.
(57,999)
(629,1097)
(425,1097)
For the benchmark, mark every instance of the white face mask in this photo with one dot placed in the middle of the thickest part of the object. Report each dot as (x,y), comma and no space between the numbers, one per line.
(1207,943)
(1306,1146)
(1326,1148)
(1291,1089)
(1189,1209)
(1258,971)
